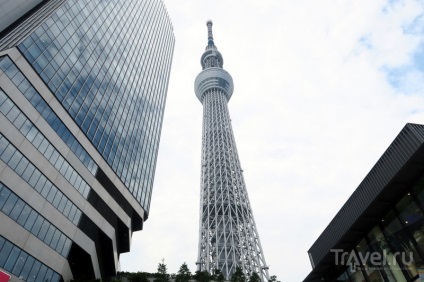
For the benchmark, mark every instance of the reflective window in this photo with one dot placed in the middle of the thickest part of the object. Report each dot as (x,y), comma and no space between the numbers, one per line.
(27,268)
(390,264)
(7,153)
(344,277)
(404,238)
(43,146)
(43,230)
(24,266)
(24,215)
(36,100)
(49,275)
(4,195)
(356,276)
(371,270)
(4,252)
(42,273)
(391,224)
(409,211)
(35,223)
(34,271)
(31,219)
(10,203)
(17,209)
(43,186)
(20,262)
(49,235)
(11,260)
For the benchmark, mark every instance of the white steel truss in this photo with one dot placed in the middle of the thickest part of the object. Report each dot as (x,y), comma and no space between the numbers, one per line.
(227,236)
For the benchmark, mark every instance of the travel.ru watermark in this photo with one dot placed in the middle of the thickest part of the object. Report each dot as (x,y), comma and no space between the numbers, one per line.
(375,259)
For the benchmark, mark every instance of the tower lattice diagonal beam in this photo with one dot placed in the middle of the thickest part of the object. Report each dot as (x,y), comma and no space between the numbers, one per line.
(228,237)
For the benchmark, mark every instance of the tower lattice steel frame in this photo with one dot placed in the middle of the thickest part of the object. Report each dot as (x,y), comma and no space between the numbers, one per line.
(227,236)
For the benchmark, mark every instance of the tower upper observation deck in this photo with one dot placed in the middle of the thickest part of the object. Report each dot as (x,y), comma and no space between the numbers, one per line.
(213,75)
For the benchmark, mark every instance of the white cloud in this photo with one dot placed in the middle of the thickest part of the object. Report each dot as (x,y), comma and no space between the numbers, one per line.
(312,111)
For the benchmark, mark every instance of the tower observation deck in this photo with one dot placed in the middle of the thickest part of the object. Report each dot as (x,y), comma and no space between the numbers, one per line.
(228,237)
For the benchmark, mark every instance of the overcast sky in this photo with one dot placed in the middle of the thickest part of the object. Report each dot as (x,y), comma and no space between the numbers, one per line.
(321,90)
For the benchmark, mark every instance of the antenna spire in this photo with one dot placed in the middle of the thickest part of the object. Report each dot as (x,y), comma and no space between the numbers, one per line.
(210,35)
(211,58)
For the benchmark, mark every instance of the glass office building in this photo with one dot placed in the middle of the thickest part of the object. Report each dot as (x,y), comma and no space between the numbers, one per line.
(378,235)
(83,86)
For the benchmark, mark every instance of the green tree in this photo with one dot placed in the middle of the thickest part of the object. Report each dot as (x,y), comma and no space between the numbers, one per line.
(254,278)
(162,274)
(218,276)
(184,274)
(238,276)
(202,276)
(138,277)
(273,279)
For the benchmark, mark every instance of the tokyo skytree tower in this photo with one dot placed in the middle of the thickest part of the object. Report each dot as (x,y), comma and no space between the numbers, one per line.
(227,237)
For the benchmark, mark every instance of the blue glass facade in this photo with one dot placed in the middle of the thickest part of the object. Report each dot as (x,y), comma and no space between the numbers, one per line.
(83,86)
(108,63)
